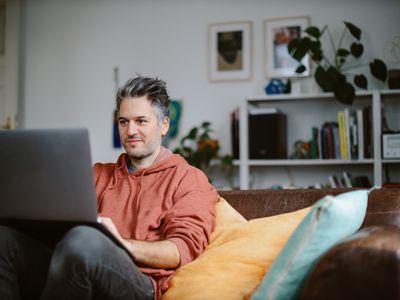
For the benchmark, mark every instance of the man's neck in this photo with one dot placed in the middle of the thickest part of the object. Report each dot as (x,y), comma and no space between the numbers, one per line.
(146,162)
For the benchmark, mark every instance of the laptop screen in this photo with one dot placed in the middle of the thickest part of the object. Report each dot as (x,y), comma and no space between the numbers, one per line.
(46,174)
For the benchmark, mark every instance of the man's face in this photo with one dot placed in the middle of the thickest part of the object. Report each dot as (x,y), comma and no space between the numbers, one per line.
(139,128)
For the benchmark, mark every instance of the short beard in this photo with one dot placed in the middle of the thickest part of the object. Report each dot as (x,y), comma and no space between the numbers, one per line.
(139,156)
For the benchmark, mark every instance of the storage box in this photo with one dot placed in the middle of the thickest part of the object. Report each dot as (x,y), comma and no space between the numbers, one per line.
(267,136)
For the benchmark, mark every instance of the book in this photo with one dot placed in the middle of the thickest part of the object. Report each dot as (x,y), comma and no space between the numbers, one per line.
(324,142)
(314,143)
(353,134)
(235,133)
(347,179)
(362,181)
(347,129)
(332,181)
(329,142)
(360,134)
(367,124)
(336,140)
(342,135)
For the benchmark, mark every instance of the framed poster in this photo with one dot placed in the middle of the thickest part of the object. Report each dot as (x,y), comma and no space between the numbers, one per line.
(230,51)
(277,35)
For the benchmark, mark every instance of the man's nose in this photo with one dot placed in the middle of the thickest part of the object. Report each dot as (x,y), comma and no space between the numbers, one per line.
(132,128)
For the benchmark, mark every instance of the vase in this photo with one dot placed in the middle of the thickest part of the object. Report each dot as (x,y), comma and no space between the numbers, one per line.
(394,79)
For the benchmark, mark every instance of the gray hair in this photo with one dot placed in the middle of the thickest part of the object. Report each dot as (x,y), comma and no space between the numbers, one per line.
(154,88)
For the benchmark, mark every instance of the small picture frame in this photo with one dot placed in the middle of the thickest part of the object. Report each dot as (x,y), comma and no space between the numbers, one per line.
(277,35)
(230,51)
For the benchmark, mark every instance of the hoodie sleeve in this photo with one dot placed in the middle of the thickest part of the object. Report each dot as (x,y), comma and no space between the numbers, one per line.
(191,220)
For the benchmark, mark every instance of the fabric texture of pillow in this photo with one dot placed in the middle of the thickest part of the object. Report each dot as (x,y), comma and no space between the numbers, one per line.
(330,220)
(235,261)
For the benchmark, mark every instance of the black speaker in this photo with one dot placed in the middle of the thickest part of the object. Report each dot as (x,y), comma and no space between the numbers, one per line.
(267,136)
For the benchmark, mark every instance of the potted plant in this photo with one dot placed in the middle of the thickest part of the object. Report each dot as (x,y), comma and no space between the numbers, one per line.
(202,151)
(332,74)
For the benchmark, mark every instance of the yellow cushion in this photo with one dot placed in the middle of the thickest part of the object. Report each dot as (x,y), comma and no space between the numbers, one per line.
(235,261)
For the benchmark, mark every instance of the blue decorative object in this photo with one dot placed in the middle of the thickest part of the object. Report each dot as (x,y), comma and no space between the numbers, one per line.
(275,86)
(175,108)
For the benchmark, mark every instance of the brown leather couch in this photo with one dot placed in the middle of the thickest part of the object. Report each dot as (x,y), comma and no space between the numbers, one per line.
(365,267)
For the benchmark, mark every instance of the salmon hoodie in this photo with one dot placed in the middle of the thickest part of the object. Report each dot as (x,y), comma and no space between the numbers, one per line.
(168,200)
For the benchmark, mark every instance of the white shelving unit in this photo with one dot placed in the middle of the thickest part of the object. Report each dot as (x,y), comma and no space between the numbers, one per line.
(308,110)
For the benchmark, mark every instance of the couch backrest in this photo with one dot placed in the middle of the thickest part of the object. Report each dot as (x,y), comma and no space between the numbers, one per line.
(383,204)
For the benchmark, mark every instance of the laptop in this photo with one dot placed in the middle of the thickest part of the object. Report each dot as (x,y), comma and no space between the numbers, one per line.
(46,182)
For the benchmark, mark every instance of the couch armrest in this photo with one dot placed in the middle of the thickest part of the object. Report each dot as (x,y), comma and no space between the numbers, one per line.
(364,266)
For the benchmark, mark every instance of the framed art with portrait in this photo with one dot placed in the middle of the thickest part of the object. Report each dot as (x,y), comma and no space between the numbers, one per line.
(230,51)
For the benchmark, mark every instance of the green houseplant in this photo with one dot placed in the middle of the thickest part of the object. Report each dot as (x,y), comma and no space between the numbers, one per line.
(202,151)
(332,75)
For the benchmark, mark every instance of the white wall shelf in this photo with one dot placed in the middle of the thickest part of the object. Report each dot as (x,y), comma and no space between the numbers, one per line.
(305,162)
(308,110)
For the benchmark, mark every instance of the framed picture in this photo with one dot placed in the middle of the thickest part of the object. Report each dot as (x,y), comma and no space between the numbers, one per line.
(277,35)
(230,51)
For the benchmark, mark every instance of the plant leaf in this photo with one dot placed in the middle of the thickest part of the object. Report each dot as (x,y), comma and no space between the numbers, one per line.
(293,45)
(205,124)
(193,133)
(204,136)
(323,79)
(298,48)
(356,49)
(313,31)
(343,52)
(378,69)
(354,30)
(361,81)
(300,69)
(345,93)
(316,51)
(329,78)
(227,160)
(334,78)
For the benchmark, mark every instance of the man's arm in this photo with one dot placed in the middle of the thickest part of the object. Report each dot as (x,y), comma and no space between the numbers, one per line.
(157,254)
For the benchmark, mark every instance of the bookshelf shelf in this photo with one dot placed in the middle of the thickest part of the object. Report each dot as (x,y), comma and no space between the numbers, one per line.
(305,162)
(391,161)
(304,112)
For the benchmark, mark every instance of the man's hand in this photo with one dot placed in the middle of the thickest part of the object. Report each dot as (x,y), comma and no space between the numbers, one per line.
(109,224)
(158,254)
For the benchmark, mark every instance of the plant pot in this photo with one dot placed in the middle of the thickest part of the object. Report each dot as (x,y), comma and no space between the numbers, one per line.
(208,147)
(394,79)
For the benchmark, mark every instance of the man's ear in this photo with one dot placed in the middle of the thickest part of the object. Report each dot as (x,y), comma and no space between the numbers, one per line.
(164,126)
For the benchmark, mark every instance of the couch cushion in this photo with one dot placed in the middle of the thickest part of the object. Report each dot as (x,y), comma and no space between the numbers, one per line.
(364,266)
(237,257)
(330,219)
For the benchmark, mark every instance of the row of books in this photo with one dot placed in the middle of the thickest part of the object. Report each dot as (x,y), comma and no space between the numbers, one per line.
(347,181)
(344,180)
(348,138)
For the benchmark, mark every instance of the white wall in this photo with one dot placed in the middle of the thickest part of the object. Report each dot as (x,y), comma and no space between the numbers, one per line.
(72,46)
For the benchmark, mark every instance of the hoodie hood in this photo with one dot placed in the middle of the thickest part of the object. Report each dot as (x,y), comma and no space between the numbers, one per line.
(164,160)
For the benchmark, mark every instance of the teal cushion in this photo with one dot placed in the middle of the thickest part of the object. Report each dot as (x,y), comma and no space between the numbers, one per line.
(329,220)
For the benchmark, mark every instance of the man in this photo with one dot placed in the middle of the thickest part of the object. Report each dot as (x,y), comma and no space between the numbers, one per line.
(158,206)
